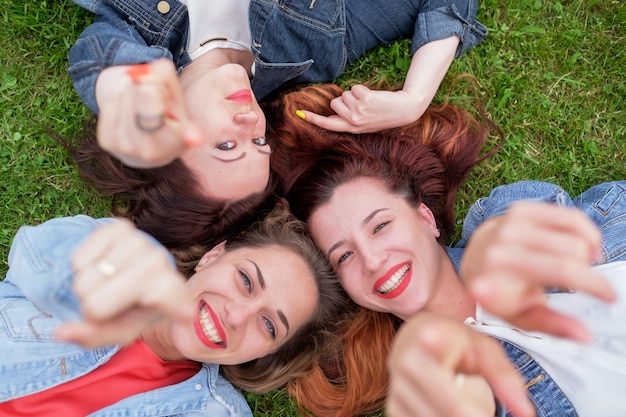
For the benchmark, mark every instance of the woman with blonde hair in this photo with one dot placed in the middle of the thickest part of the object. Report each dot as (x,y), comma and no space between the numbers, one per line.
(99,321)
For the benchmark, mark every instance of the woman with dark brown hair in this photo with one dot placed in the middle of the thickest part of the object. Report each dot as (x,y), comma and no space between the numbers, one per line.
(151,198)
(180,80)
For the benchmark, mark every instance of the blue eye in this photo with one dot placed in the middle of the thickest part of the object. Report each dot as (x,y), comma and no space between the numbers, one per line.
(260,141)
(270,327)
(343,257)
(247,282)
(226,146)
(380,226)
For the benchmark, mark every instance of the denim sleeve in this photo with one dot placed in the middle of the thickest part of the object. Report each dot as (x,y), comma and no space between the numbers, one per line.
(441,19)
(105,43)
(500,198)
(39,262)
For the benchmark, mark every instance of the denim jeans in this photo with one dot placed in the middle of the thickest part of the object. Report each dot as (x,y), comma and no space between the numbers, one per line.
(292,40)
(605,205)
(321,37)
(546,395)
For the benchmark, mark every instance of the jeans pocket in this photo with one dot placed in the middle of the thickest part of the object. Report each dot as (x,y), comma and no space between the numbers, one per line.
(605,205)
(26,321)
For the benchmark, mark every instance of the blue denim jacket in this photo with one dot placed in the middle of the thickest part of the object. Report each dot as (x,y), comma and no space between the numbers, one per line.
(605,204)
(292,41)
(36,296)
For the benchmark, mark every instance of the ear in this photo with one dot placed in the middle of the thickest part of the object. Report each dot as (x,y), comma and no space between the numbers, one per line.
(210,256)
(429,218)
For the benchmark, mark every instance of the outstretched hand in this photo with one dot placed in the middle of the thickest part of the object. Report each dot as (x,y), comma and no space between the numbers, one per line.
(511,260)
(143,119)
(439,367)
(361,110)
(124,283)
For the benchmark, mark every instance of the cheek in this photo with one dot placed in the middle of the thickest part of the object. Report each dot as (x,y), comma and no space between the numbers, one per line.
(260,166)
(352,283)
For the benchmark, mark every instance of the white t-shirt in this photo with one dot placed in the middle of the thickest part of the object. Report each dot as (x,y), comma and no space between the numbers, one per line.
(217,24)
(593,375)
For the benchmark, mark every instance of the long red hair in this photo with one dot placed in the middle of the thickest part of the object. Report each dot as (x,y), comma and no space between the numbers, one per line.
(425,162)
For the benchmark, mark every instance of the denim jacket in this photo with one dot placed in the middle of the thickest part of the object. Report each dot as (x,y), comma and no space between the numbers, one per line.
(36,297)
(292,41)
(605,205)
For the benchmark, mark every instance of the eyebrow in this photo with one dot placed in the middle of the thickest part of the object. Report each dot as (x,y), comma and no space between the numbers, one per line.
(366,220)
(243,155)
(259,275)
(282,318)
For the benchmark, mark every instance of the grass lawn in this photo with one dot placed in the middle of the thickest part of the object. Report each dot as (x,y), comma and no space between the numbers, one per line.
(553,75)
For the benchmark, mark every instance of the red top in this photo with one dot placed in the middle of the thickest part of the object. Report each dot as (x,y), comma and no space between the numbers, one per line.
(132,370)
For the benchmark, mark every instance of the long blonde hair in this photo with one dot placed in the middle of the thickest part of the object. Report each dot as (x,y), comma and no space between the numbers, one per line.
(300,353)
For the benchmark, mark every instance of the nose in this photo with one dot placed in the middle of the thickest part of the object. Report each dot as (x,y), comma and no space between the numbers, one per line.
(373,258)
(248,118)
(238,313)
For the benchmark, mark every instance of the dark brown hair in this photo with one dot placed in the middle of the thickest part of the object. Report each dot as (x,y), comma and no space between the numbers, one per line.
(165,202)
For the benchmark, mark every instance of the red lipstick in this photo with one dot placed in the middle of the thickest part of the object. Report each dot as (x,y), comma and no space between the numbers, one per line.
(406,279)
(243,96)
(204,308)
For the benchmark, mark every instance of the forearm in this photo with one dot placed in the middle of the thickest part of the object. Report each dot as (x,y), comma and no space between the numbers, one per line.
(428,68)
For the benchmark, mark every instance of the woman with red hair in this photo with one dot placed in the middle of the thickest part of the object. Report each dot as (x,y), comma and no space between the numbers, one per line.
(381,207)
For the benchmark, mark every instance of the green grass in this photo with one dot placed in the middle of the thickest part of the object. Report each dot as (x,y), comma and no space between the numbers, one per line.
(37,179)
(553,75)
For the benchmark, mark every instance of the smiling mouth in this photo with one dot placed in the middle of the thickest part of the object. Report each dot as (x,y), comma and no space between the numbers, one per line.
(394,281)
(208,327)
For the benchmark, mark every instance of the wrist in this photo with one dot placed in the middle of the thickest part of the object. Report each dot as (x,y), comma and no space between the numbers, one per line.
(415,104)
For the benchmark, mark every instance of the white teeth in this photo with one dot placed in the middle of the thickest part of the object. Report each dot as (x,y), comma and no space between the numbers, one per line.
(208,327)
(395,280)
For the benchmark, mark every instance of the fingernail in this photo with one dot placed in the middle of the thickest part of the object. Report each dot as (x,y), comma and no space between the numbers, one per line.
(300,114)
(135,72)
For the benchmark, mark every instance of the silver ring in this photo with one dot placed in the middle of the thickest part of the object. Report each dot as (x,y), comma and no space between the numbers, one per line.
(149,124)
(106,268)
